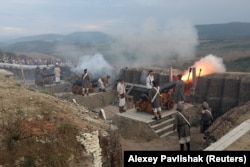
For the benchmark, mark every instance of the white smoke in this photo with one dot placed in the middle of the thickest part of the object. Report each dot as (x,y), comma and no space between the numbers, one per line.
(96,65)
(154,46)
(211,64)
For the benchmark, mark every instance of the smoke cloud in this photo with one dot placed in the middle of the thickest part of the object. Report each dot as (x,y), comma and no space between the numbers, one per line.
(154,46)
(211,64)
(96,65)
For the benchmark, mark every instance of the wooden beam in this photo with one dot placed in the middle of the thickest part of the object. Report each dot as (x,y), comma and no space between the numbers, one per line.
(230,137)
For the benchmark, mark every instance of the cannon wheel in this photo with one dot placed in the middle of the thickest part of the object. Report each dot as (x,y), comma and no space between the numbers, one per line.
(170,104)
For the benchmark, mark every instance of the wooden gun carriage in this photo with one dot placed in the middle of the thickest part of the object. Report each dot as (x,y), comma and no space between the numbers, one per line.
(144,104)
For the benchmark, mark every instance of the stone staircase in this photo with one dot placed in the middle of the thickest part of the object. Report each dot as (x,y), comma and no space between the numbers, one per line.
(164,126)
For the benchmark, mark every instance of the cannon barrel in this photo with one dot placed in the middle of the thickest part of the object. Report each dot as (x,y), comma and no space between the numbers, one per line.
(167,86)
(139,90)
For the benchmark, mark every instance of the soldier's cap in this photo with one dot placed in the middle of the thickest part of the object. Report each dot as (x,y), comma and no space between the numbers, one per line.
(150,71)
(180,106)
(85,69)
(205,105)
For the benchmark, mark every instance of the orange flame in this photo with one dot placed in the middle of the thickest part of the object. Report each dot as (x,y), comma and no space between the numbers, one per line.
(202,68)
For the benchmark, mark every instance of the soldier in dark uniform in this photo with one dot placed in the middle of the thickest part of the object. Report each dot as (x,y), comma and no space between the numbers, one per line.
(155,98)
(206,117)
(85,82)
(179,90)
(38,76)
(182,125)
(37,72)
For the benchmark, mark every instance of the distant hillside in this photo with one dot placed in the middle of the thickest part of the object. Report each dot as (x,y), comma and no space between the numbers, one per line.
(46,43)
(45,47)
(98,41)
(228,31)
(81,37)
(87,37)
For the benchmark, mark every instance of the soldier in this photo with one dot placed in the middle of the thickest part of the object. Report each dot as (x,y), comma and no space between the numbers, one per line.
(179,90)
(57,72)
(150,79)
(37,72)
(181,123)
(121,95)
(85,82)
(103,82)
(206,117)
(154,96)
(38,76)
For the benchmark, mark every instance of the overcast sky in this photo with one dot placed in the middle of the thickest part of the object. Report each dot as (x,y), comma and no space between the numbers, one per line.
(34,17)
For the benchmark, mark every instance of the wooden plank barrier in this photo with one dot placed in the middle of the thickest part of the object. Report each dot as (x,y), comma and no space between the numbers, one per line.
(230,137)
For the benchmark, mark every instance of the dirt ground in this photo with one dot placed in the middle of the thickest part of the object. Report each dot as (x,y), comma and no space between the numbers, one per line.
(169,143)
(38,129)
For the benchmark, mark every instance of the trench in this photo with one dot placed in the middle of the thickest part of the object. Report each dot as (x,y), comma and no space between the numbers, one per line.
(223,91)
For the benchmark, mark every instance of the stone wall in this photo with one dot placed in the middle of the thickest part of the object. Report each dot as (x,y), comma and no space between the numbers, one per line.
(134,129)
(29,71)
(223,91)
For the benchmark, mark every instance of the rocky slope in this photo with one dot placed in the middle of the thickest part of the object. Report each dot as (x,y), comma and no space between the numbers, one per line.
(41,130)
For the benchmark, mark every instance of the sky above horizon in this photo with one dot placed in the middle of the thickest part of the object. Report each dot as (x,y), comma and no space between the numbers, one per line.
(34,17)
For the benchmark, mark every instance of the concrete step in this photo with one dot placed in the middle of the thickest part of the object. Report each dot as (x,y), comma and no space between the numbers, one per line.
(166,134)
(167,115)
(162,123)
(164,127)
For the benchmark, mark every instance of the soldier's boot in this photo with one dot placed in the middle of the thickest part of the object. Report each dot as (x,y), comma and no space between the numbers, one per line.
(159,113)
(155,118)
(120,109)
(188,146)
(87,91)
(83,92)
(181,147)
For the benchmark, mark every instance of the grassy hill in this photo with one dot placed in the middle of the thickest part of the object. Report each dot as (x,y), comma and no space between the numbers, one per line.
(228,31)
(38,129)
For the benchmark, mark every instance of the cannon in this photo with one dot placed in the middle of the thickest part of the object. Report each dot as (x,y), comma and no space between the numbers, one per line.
(44,79)
(144,104)
(48,78)
(44,76)
(77,85)
(77,88)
